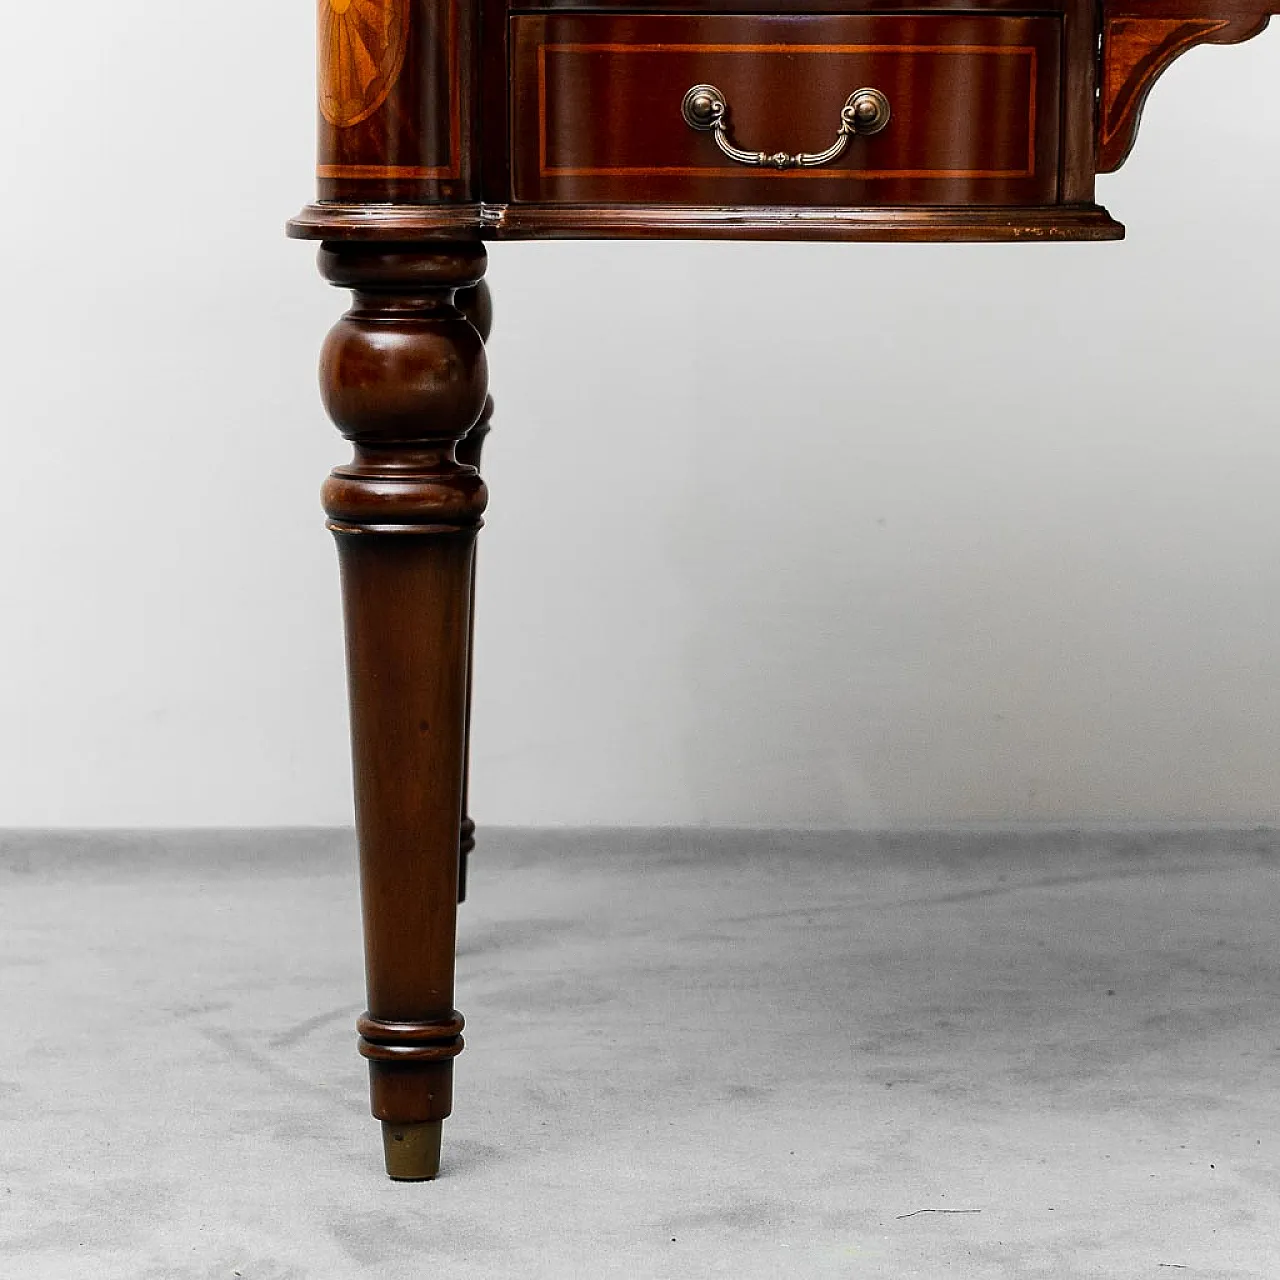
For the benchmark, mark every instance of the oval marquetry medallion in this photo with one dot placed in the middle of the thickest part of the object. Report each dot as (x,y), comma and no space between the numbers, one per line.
(362,47)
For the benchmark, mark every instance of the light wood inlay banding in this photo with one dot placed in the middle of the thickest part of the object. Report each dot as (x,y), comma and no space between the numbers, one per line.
(451,171)
(547,170)
(1136,51)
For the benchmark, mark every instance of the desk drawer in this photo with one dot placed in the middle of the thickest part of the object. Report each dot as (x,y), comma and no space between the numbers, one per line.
(973,102)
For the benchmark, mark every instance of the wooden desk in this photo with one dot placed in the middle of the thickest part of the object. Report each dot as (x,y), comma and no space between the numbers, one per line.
(446,123)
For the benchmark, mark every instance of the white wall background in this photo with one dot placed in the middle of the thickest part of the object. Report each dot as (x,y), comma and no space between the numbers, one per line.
(782,534)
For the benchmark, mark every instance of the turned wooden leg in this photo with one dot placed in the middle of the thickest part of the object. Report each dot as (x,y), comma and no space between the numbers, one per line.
(404,377)
(477,305)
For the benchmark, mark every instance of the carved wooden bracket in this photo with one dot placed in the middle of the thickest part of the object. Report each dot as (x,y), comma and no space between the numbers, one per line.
(1137,48)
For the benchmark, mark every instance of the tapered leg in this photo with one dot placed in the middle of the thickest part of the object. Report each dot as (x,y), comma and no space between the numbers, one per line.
(404,377)
(477,305)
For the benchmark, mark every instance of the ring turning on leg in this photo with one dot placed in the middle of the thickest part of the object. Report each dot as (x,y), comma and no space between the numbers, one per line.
(404,377)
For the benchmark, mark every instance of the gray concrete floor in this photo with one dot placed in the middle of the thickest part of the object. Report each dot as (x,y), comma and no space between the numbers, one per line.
(689,1054)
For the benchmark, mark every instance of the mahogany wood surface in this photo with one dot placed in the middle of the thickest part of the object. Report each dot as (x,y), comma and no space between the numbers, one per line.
(395,118)
(401,223)
(404,377)
(444,123)
(1137,50)
(975,105)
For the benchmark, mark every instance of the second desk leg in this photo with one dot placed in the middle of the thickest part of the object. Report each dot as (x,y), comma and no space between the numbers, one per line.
(477,305)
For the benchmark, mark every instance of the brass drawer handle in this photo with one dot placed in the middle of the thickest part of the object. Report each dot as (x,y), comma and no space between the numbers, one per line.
(866,112)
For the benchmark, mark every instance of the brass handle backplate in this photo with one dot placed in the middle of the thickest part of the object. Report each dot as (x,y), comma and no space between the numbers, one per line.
(865,112)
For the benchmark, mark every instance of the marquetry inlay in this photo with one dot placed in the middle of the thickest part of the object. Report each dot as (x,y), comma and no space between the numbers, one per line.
(362,51)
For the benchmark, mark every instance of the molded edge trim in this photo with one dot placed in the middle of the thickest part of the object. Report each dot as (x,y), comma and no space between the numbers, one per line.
(408,223)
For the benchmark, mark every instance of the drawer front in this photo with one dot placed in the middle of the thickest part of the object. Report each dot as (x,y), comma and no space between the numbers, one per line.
(973,101)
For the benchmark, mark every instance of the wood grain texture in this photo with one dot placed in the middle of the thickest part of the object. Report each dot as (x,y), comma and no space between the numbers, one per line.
(446,123)
(361,51)
(1136,51)
(404,377)
(1079,96)
(867,225)
(596,108)
(428,223)
(589,132)
(394,120)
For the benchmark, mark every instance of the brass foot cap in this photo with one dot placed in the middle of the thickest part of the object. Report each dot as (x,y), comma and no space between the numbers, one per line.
(412,1150)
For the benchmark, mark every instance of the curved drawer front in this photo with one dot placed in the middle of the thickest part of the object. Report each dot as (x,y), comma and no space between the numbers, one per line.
(597,108)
